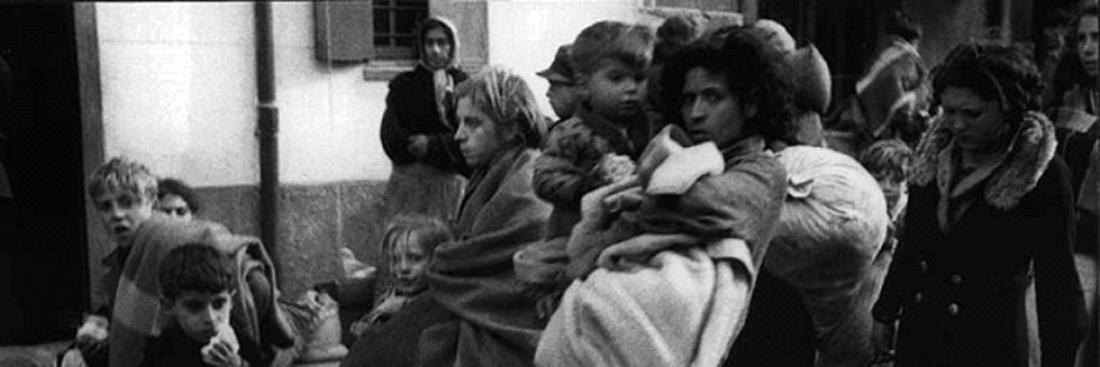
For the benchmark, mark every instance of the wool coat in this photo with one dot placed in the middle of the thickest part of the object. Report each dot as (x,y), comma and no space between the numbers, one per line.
(958,285)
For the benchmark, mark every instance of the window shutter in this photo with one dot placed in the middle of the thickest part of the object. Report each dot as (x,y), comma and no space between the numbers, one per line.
(344,31)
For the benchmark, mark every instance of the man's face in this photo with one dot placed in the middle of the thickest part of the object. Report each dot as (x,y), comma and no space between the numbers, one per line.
(175,207)
(437,48)
(200,314)
(1088,38)
(616,90)
(122,213)
(710,111)
(563,98)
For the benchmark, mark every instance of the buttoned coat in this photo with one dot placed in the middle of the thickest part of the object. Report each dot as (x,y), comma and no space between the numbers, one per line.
(959,291)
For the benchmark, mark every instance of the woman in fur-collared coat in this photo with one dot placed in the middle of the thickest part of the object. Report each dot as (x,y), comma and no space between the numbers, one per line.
(988,201)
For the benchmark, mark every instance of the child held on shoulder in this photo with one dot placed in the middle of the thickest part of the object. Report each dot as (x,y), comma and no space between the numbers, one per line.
(597,145)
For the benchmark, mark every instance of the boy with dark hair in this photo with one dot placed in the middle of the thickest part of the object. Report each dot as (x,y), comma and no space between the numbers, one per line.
(197,284)
(591,149)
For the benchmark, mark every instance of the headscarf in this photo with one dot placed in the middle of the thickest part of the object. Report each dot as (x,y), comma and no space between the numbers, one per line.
(506,98)
(442,83)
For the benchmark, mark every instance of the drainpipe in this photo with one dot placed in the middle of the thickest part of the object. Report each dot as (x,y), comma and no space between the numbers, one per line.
(267,127)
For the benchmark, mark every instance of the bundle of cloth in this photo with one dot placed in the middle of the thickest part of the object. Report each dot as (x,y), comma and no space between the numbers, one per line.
(675,274)
(138,314)
(831,230)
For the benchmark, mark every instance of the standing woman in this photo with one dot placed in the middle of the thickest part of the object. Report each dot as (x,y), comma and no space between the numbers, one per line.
(418,128)
(989,201)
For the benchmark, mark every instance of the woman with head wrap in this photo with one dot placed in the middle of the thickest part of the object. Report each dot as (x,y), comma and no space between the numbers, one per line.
(476,312)
(418,128)
(989,202)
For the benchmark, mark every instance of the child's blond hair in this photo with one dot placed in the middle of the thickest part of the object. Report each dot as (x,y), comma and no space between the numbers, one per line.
(121,175)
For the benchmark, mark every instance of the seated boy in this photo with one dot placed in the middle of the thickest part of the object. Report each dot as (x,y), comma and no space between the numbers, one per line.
(196,285)
(123,193)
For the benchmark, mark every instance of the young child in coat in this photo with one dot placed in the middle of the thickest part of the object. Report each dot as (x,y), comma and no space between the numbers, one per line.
(197,284)
(595,146)
(410,241)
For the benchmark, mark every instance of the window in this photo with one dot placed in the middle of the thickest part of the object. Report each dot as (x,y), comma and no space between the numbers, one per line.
(395,23)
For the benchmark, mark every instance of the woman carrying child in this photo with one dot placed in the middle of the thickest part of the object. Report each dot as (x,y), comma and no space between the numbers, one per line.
(692,257)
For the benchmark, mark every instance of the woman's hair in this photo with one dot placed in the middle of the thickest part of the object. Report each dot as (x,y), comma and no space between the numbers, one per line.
(630,43)
(505,97)
(1004,74)
(171,186)
(429,231)
(753,70)
(1070,72)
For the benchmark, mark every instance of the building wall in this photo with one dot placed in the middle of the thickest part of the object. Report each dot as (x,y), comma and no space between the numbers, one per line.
(178,93)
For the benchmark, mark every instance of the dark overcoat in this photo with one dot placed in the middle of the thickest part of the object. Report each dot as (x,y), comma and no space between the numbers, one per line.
(959,291)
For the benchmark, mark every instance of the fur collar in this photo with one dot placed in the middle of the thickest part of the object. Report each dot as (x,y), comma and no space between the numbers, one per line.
(1032,149)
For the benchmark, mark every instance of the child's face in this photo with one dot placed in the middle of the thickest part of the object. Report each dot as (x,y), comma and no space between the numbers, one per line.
(408,263)
(897,195)
(201,314)
(563,98)
(710,111)
(175,207)
(122,213)
(616,90)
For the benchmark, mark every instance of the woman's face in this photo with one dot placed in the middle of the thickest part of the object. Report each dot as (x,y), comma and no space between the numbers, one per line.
(477,134)
(437,47)
(1088,36)
(978,125)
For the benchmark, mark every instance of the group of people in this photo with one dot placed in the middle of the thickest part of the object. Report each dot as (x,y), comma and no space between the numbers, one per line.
(695,203)
(661,219)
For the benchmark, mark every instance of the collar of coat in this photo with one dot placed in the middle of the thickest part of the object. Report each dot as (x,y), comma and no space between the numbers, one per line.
(1017,174)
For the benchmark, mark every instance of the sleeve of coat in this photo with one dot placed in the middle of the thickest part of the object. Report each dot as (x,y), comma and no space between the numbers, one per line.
(395,137)
(1059,300)
(900,283)
(557,178)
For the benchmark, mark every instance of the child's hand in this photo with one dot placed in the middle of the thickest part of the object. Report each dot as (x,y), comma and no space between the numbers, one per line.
(597,206)
(615,168)
(418,145)
(221,354)
(95,328)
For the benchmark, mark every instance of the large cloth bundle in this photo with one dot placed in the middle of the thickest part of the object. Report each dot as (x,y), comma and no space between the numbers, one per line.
(831,230)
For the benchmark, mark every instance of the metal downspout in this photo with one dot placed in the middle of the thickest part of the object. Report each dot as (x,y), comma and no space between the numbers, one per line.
(267,127)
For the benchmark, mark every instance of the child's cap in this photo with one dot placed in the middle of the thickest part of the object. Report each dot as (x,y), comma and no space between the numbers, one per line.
(560,71)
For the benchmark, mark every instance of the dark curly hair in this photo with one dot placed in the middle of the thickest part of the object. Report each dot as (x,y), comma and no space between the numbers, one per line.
(171,186)
(995,72)
(754,72)
(196,267)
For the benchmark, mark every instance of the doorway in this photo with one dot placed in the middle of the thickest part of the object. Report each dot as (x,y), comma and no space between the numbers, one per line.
(43,246)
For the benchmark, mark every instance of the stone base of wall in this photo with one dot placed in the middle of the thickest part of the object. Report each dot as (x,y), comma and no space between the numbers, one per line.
(314,221)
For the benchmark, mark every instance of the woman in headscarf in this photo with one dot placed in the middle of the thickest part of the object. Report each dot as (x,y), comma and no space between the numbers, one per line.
(477,313)
(989,201)
(418,128)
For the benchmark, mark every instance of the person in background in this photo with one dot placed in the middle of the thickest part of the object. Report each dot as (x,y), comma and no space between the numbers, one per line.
(1050,44)
(418,128)
(989,202)
(176,199)
(563,84)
